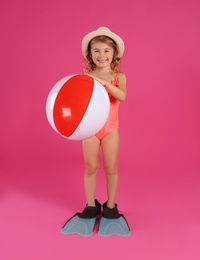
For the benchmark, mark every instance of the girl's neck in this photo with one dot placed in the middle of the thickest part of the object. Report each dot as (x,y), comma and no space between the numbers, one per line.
(103,70)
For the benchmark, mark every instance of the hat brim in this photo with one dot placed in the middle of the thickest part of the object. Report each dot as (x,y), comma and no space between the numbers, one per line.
(99,32)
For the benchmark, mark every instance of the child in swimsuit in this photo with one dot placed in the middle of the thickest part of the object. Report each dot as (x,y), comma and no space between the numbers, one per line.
(103,50)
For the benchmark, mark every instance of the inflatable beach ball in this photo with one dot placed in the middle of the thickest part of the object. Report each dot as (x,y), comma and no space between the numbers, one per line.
(77,107)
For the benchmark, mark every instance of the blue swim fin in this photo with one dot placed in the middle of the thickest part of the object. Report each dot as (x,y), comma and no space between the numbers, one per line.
(80,226)
(118,226)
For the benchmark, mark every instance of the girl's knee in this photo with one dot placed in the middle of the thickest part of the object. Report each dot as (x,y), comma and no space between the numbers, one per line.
(110,170)
(91,169)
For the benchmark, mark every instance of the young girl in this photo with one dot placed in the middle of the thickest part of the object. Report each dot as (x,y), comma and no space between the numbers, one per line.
(103,50)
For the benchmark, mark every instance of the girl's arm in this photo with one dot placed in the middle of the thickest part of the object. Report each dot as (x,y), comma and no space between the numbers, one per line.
(118,92)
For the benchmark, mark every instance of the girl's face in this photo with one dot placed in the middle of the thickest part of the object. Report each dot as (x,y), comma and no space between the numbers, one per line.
(101,54)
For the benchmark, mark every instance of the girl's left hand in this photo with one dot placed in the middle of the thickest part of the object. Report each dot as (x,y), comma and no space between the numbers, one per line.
(100,80)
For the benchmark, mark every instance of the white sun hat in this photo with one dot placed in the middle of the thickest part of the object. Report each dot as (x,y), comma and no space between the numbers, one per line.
(106,32)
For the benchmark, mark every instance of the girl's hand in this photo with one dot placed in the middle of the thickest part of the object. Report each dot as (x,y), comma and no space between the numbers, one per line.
(100,80)
(118,92)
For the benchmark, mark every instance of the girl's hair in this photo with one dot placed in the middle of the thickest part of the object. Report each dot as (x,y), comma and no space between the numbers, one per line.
(90,66)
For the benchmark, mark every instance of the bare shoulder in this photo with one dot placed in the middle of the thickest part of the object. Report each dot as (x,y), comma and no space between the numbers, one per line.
(121,77)
(90,73)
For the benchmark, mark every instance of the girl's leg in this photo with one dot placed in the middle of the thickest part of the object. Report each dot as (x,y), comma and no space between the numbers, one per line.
(90,152)
(110,147)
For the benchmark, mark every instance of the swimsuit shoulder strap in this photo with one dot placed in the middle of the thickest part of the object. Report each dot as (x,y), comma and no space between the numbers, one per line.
(114,81)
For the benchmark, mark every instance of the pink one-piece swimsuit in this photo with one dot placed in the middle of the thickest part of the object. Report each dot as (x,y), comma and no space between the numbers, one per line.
(113,118)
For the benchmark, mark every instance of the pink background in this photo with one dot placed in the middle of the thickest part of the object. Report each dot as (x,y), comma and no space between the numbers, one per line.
(41,183)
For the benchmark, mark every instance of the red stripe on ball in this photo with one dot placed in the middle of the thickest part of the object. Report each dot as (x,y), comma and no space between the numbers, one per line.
(71,103)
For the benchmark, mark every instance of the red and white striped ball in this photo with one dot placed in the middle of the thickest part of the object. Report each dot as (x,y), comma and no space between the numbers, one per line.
(77,107)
